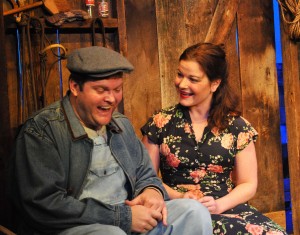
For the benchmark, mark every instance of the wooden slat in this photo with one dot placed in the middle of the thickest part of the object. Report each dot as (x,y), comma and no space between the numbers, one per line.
(291,75)
(260,99)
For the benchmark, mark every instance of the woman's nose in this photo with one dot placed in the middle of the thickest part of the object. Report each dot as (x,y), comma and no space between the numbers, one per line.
(183,83)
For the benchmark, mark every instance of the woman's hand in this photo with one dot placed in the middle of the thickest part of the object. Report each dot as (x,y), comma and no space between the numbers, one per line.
(210,203)
(190,195)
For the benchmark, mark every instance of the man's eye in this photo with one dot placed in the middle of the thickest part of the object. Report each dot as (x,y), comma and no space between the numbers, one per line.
(119,89)
(100,90)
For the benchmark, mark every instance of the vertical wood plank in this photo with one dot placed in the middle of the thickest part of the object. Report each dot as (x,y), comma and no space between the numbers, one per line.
(142,91)
(260,98)
(122,39)
(291,76)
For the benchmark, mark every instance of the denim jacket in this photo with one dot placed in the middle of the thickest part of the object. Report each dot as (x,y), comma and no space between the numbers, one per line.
(50,163)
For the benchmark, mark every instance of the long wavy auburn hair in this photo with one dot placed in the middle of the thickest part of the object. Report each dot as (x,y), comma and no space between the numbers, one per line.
(212,59)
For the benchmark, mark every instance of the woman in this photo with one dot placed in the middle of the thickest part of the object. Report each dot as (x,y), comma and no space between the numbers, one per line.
(199,143)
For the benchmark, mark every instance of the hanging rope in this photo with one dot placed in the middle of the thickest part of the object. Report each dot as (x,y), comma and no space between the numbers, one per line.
(290,11)
(32,66)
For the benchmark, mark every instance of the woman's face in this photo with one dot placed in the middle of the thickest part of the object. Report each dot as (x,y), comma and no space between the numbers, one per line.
(193,86)
(96,102)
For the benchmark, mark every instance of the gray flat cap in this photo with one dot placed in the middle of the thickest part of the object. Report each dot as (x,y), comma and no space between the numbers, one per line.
(97,62)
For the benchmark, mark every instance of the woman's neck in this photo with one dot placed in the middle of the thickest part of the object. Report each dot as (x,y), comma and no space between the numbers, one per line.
(198,115)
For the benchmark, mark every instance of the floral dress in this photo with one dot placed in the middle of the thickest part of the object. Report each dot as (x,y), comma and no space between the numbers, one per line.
(205,167)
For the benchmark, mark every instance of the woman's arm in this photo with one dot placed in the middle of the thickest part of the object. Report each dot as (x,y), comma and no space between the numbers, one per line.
(246,183)
(153,150)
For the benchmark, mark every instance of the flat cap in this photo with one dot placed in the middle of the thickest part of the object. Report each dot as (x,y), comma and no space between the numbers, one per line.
(97,62)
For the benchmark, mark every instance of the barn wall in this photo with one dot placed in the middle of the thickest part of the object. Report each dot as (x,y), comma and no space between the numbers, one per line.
(157,32)
(252,70)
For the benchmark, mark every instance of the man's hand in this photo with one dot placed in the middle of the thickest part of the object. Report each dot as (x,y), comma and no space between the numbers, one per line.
(144,219)
(151,199)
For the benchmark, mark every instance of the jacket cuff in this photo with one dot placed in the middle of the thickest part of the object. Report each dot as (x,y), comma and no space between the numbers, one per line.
(156,189)
(124,218)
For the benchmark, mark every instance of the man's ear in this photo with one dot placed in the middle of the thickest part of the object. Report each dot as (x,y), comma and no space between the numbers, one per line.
(74,87)
(215,84)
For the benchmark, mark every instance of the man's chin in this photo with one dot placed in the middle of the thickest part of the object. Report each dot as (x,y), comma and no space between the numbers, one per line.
(104,121)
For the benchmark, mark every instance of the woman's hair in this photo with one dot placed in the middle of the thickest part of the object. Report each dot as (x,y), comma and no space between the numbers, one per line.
(212,59)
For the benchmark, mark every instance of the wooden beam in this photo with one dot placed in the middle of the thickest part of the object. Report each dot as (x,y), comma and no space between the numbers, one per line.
(222,21)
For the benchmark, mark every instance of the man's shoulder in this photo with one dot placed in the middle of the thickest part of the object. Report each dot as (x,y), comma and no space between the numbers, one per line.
(54,110)
(118,115)
(47,114)
(120,121)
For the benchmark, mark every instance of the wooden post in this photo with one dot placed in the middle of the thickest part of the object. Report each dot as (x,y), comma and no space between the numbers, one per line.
(260,99)
(291,74)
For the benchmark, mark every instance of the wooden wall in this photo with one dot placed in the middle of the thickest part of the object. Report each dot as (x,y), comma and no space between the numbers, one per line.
(157,32)
(249,40)
(253,72)
(72,37)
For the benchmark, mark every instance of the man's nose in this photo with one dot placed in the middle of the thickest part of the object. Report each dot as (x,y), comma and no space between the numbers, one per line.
(110,97)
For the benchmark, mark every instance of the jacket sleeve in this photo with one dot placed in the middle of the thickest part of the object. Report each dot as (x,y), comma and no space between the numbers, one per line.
(40,190)
(144,173)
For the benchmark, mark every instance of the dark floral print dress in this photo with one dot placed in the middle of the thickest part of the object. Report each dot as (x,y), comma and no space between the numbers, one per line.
(205,167)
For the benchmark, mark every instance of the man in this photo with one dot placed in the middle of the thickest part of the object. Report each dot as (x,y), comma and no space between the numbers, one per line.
(80,169)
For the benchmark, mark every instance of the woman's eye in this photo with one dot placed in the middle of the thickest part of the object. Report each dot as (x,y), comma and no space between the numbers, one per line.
(193,79)
(180,75)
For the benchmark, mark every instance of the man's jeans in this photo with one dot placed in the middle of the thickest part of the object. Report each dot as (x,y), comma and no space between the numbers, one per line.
(185,217)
